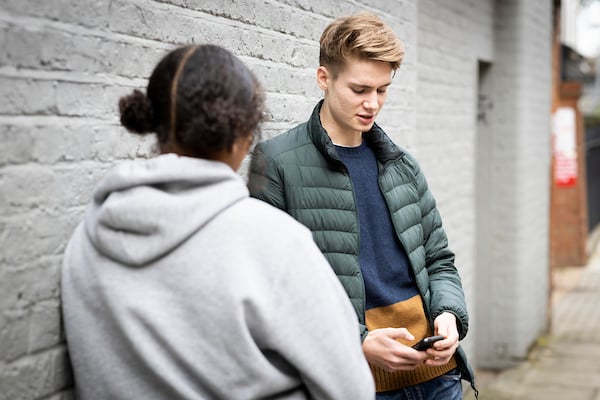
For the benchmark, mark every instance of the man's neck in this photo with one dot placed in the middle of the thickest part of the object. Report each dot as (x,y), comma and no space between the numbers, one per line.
(337,135)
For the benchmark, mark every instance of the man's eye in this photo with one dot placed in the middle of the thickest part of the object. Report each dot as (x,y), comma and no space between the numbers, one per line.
(381,91)
(358,91)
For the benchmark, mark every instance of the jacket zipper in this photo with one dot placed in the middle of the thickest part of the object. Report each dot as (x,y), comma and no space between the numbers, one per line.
(362,279)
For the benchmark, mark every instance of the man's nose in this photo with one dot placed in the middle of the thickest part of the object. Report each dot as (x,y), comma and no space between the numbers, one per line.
(371,103)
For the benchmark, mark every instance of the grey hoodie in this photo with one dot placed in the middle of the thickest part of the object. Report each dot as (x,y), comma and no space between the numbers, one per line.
(177,285)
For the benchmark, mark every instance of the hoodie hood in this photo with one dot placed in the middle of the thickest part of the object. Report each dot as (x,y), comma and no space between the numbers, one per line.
(143,209)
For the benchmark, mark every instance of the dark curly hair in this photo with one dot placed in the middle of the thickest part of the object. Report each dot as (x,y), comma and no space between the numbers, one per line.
(199,98)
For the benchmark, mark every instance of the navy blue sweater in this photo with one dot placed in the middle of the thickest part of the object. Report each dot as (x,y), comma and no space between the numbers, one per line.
(392,297)
(383,261)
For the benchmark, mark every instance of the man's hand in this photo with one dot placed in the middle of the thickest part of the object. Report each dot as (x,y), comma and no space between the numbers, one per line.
(443,350)
(383,350)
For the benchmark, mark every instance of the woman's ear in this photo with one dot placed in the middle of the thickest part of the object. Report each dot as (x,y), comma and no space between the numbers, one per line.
(238,151)
(323,77)
(245,142)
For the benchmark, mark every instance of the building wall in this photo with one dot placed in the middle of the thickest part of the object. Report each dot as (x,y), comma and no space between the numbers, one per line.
(453,36)
(497,221)
(569,211)
(65,63)
(570,10)
(513,277)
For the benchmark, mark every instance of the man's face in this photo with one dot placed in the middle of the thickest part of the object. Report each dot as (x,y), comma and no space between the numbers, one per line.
(355,96)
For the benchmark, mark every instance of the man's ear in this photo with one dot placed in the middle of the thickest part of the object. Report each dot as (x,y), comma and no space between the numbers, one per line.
(323,77)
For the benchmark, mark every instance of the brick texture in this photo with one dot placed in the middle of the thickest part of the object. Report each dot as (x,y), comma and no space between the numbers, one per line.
(569,218)
(65,63)
(512,276)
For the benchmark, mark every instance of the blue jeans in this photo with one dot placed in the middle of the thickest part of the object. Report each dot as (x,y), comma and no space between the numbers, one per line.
(445,387)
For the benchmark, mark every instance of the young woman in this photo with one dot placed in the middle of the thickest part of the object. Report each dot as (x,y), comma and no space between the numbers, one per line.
(178,285)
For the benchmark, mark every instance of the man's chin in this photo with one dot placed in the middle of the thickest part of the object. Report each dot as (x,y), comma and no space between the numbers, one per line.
(366,127)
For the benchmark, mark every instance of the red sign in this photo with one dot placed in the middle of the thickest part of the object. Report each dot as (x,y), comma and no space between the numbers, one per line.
(564,142)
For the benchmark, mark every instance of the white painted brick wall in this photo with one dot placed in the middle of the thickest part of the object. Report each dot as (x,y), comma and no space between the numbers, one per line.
(452,37)
(63,67)
(515,37)
(65,63)
(532,178)
(518,263)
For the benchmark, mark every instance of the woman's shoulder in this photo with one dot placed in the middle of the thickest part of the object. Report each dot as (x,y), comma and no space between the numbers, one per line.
(266,216)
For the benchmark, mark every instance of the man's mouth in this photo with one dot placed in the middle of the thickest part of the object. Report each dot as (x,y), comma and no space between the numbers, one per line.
(366,118)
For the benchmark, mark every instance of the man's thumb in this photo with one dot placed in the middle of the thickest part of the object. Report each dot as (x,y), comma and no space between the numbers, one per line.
(400,333)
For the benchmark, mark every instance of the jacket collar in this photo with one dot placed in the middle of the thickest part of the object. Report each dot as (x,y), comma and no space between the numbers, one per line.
(384,148)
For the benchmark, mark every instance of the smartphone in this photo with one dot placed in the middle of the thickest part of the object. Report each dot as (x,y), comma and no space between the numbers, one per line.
(427,342)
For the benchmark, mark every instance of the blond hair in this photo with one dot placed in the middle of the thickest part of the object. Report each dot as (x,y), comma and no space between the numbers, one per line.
(364,36)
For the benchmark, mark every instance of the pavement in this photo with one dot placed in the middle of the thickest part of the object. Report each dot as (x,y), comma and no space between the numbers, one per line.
(564,363)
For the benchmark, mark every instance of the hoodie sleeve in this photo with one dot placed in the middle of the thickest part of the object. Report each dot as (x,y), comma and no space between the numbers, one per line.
(317,329)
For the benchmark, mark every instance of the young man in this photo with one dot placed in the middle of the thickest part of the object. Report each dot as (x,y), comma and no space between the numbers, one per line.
(371,213)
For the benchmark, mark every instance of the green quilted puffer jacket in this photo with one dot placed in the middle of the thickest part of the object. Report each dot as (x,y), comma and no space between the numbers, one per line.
(300,173)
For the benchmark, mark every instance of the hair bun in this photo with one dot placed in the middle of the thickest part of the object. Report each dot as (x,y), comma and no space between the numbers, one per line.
(136,113)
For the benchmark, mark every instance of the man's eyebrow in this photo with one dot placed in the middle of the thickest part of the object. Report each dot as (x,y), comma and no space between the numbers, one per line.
(362,86)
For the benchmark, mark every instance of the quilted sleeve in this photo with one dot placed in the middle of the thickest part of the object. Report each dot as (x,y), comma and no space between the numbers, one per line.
(264,181)
(444,281)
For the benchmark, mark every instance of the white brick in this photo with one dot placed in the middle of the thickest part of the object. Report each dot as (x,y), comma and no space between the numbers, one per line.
(280,78)
(331,9)
(14,336)
(35,377)
(44,326)
(270,15)
(16,146)
(29,236)
(51,141)
(39,47)
(91,14)
(24,96)
(30,330)
(25,286)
